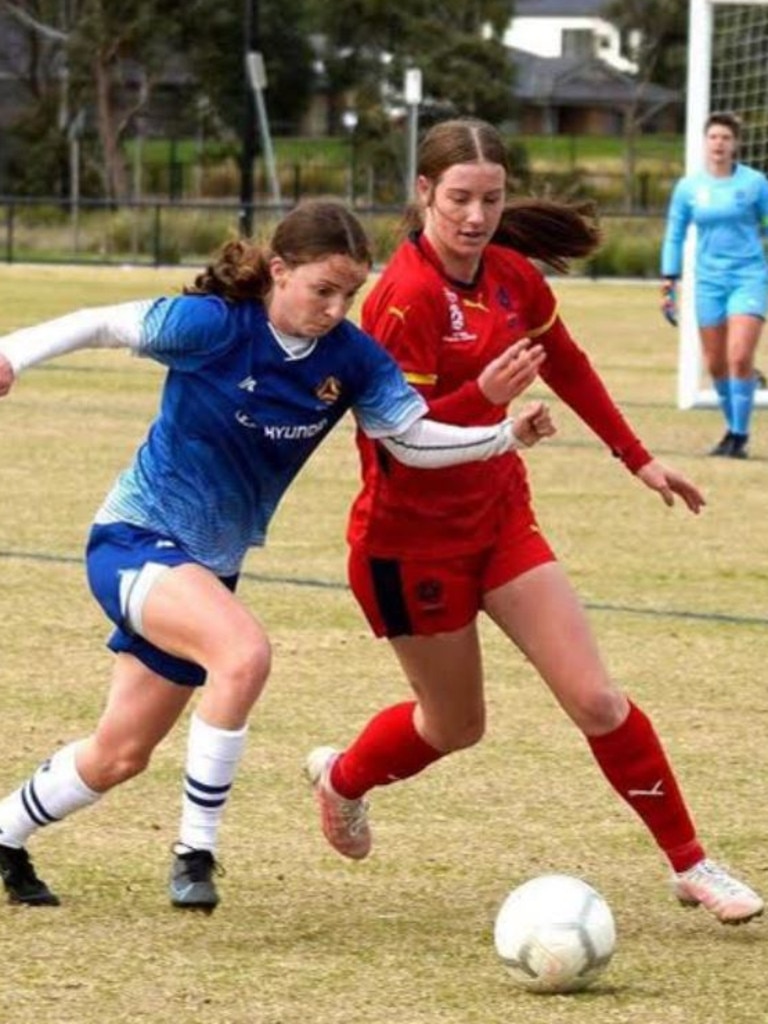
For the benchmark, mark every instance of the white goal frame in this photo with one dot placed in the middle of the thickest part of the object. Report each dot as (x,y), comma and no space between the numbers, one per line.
(690,392)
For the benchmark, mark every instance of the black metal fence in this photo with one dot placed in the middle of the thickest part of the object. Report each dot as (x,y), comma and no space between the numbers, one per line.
(159,232)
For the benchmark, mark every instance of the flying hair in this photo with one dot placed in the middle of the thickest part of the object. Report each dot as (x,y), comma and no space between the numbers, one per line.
(548,230)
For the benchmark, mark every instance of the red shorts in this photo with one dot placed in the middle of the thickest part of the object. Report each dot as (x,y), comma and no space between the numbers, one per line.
(413,597)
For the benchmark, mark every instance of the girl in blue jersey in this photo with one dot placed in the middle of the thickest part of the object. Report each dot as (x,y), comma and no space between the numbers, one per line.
(728,204)
(261,364)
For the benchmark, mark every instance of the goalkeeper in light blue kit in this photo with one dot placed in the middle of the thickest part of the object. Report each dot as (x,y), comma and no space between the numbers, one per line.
(261,365)
(728,204)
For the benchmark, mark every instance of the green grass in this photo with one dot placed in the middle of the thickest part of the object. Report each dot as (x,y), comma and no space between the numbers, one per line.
(406,936)
(658,152)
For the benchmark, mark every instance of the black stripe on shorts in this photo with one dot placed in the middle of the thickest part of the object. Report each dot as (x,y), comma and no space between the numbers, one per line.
(390,599)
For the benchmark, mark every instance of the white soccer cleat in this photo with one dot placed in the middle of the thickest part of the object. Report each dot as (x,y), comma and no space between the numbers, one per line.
(344,822)
(709,885)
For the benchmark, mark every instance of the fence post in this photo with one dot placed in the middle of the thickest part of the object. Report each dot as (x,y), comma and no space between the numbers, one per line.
(157,235)
(9,222)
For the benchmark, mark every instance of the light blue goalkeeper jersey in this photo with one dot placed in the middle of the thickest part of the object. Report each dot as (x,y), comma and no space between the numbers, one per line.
(731,216)
(239,416)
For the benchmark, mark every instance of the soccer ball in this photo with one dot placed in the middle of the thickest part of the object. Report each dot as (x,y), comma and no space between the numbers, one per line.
(555,933)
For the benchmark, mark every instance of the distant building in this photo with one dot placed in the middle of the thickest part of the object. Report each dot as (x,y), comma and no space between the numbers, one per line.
(574,73)
(568,28)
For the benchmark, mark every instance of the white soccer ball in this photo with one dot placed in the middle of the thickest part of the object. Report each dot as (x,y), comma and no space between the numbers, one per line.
(555,933)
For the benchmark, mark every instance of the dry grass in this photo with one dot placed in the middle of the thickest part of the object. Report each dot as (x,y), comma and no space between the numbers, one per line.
(678,605)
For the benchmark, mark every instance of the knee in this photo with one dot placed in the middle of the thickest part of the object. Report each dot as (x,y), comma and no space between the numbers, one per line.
(459,735)
(600,710)
(109,767)
(246,670)
(741,367)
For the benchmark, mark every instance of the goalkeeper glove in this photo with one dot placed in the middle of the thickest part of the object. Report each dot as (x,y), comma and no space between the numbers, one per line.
(669,301)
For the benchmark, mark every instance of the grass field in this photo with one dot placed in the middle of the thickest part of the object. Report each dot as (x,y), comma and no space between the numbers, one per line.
(679,606)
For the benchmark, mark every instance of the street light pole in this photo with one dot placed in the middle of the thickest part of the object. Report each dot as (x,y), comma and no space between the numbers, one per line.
(257,78)
(412,90)
(249,136)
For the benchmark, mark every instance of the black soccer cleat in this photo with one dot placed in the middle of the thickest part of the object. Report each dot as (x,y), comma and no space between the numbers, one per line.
(723,446)
(20,880)
(739,448)
(191,884)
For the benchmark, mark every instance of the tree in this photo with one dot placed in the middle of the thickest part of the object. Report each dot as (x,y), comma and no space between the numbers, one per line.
(657,37)
(214,44)
(89,44)
(366,45)
(107,60)
(101,41)
(657,33)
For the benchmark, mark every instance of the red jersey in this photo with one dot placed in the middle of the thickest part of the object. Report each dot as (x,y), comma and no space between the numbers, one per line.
(443,333)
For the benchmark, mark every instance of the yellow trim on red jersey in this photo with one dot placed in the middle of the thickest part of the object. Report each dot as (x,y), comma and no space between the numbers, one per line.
(421,378)
(545,327)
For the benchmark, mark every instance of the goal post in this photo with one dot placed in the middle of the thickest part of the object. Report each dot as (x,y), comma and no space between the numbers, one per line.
(727,70)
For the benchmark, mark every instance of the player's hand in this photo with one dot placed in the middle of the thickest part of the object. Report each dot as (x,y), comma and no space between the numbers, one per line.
(507,376)
(7,376)
(668,483)
(669,300)
(533,423)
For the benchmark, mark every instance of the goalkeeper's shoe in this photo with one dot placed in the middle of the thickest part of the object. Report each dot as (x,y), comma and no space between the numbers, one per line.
(191,885)
(708,885)
(739,449)
(344,822)
(724,446)
(20,879)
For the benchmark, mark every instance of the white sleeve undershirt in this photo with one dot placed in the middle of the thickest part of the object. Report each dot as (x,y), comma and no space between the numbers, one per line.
(100,327)
(427,444)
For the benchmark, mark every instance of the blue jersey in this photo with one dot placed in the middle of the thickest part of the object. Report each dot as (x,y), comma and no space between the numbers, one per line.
(239,416)
(730,214)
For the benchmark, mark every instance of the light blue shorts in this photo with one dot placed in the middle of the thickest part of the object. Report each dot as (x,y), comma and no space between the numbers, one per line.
(116,548)
(746,295)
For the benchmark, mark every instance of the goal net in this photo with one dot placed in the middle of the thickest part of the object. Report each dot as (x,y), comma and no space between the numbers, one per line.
(727,70)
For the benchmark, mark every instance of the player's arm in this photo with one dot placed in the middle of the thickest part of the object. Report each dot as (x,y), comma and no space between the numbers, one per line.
(392,412)
(100,327)
(572,377)
(427,444)
(678,220)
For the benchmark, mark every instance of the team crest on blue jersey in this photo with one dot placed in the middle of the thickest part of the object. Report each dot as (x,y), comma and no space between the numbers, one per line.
(329,391)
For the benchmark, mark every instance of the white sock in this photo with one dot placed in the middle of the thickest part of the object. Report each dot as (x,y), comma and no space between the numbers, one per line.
(212,758)
(50,794)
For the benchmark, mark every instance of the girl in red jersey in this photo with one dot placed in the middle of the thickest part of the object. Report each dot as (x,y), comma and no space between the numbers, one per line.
(429,551)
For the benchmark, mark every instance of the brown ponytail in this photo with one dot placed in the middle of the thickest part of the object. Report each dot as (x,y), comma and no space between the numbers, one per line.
(549,231)
(312,231)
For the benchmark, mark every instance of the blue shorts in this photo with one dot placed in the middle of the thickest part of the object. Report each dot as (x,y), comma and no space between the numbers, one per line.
(115,548)
(745,295)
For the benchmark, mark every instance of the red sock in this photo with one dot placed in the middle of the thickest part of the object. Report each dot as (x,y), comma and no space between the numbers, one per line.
(633,760)
(387,750)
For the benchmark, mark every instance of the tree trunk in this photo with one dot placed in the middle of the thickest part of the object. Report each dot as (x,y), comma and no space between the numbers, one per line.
(113,169)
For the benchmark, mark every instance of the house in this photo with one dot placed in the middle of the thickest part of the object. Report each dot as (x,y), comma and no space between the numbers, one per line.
(569,28)
(574,73)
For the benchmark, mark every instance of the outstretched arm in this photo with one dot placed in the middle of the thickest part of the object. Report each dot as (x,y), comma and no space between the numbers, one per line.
(101,327)
(428,444)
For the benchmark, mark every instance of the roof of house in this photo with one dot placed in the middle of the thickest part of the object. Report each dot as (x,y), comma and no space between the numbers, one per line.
(572,81)
(559,8)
